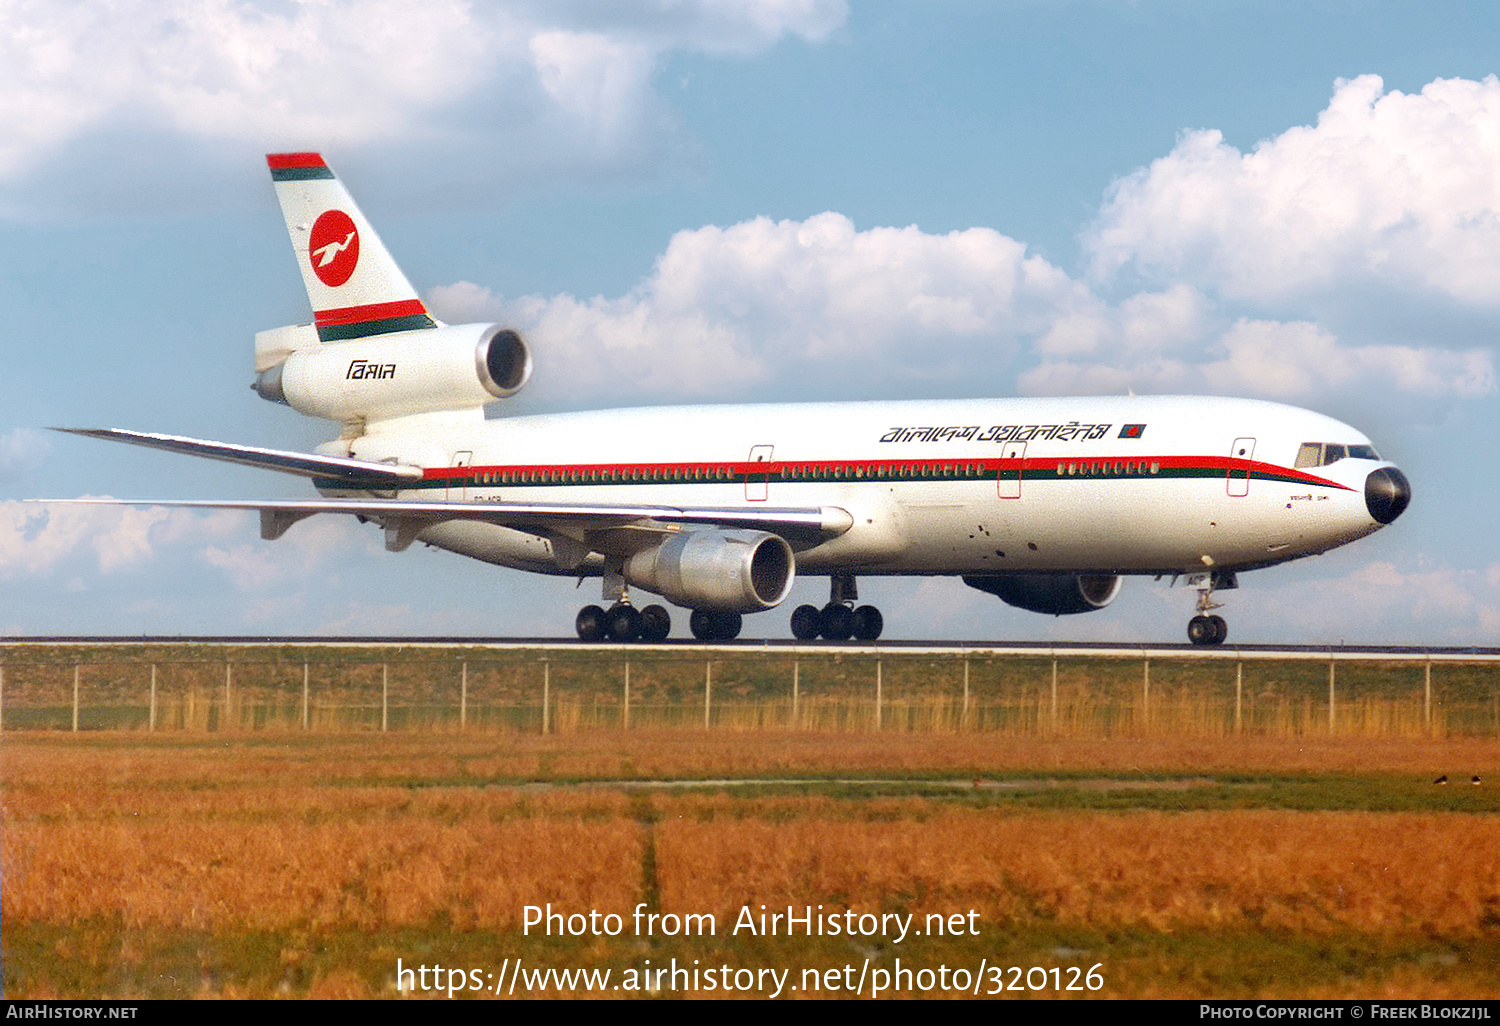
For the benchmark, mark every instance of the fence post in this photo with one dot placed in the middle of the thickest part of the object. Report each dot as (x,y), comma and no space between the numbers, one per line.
(152,722)
(463,696)
(1145,693)
(877,693)
(546,694)
(963,717)
(304,694)
(228,679)
(1331,665)
(2,698)
(708,689)
(1054,694)
(385,687)
(625,712)
(1239,677)
(1427,696)
(796,687)
(76,672)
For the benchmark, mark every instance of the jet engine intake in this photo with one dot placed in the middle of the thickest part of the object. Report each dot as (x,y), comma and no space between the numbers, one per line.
(1050,593)
(730,571)
(458,367)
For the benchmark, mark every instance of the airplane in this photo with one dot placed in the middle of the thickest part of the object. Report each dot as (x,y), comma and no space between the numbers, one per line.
(1045,503)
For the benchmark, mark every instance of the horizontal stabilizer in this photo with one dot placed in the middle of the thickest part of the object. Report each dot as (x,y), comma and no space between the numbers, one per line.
(357,473)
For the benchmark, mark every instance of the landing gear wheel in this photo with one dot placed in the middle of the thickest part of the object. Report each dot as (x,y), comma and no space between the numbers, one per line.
(1221,629)
(708,625)
(623,623)
(838,622)
(806,623)
(1207,630)
(656,623)
(868,623)
(590,623)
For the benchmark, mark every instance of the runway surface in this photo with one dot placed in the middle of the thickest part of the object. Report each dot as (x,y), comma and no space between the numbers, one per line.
(789,647)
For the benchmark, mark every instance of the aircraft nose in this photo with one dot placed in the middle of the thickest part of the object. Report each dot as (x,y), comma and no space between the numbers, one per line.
(1387,494)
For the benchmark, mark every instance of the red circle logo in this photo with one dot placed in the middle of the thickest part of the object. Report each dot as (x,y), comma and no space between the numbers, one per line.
(333,247)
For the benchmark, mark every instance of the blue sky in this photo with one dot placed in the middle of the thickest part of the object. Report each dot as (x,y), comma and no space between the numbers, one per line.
(1285,200)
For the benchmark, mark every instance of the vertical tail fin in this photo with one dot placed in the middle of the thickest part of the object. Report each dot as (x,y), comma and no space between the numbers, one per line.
(355,287)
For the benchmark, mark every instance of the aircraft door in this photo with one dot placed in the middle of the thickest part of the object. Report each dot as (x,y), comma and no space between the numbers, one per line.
(1008,481)
(757,484)
(458,490)
(1240,456)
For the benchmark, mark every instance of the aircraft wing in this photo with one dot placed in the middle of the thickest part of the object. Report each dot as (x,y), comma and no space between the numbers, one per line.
(577,520)
(357,473)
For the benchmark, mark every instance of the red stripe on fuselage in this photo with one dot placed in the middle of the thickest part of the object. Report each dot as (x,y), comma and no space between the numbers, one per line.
(370,312)
(863,470)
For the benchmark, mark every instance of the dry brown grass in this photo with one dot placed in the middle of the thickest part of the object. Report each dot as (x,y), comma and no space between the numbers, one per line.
(98,762)
(1300,872)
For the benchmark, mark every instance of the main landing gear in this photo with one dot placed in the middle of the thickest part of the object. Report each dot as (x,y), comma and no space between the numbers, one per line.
(623,622)
(1210,630)
(840,620)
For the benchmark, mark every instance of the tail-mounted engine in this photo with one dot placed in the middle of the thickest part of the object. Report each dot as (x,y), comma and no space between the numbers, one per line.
(457,367)
(730,571)
(1050,593)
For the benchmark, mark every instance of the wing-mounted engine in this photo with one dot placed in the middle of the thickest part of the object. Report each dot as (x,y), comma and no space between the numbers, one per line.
(1050,593)
(379,377)
(731,571)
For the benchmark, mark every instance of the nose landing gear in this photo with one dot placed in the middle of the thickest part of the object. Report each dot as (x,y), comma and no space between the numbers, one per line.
(840,620)
(1210,630)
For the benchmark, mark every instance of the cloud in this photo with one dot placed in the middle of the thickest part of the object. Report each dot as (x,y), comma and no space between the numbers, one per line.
(1415,599)
(564,85)
(1291,360)
(727,308)
(1390,188)
(37,538)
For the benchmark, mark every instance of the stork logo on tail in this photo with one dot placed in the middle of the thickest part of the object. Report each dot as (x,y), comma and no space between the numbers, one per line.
(333,247)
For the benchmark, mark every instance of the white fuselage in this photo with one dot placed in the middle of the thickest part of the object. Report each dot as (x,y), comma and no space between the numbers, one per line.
(1128,485)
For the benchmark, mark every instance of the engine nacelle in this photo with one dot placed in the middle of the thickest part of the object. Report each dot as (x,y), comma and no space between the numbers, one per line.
(1050,593)
(731,571)
(459,367)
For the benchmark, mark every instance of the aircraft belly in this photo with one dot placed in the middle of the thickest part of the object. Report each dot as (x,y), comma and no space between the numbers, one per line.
(491,543)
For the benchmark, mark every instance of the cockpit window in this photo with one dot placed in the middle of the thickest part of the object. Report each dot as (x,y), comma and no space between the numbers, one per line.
(1320,454)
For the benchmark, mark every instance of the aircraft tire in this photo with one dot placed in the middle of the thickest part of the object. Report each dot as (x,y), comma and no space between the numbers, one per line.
(806,623)
(711,625)
(838,622)
(701,624)
(1221,629)
(868,623)
(590,623)
(656,623)
(623,623)
(1201,631)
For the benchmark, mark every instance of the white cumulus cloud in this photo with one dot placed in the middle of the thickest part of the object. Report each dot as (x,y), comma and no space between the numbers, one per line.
(1394,188)
(731,307)
(564,85)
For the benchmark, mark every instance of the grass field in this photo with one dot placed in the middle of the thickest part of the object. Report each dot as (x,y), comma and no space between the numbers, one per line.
(279,862)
